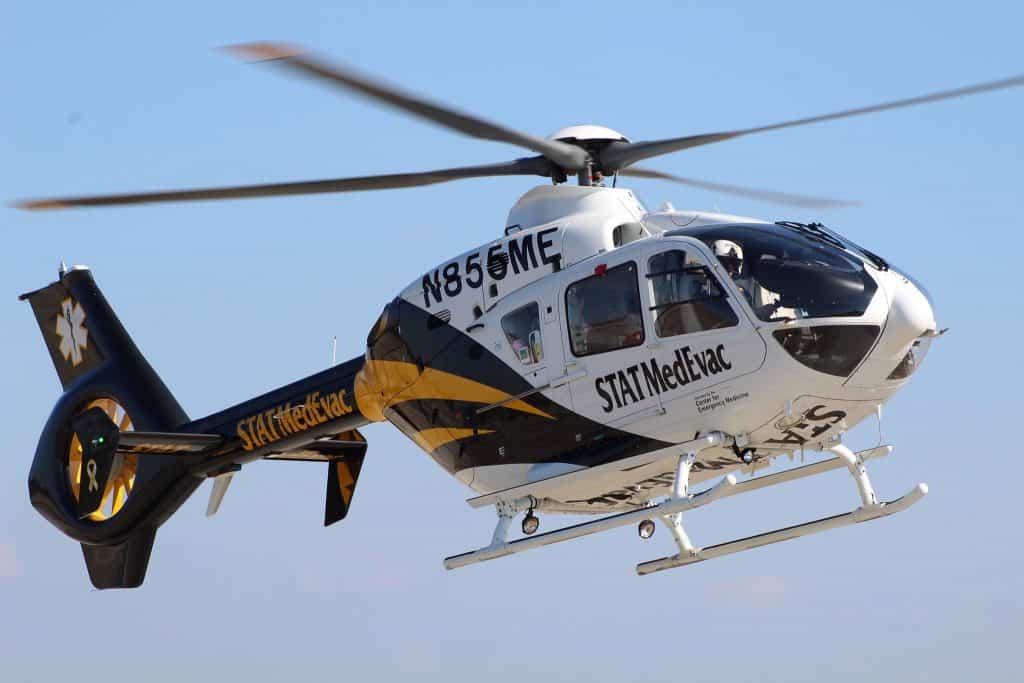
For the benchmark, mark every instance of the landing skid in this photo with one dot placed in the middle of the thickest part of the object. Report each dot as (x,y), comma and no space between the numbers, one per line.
(671,509)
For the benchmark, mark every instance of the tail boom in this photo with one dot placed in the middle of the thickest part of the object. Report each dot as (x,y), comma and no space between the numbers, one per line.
(284,420)
(118,455)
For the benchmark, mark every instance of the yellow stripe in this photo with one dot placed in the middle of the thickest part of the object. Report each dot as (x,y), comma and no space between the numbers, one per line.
(435,384)
(383,383)
(432,439)
(345,479)
(378,381)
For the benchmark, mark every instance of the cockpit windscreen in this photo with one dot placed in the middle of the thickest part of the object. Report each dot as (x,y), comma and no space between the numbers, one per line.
(785,275)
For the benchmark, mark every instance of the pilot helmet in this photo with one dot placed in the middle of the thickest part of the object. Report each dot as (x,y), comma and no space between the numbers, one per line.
(730,255)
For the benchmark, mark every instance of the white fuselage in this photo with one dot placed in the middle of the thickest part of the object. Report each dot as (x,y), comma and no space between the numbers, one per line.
(705,369)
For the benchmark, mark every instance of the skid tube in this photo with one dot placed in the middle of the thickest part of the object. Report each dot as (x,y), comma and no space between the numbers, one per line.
(670,511)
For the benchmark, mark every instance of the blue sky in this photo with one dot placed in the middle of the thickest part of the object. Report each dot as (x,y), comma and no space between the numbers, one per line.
(230,299)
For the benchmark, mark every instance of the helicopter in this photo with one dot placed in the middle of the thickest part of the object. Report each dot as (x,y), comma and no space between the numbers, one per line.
(597,358)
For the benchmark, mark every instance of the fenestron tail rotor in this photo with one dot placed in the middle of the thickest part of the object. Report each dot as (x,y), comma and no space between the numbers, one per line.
(122,474)
(587,159)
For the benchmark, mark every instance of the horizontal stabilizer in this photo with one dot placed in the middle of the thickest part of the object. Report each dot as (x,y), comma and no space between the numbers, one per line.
(324,450)
(167,443)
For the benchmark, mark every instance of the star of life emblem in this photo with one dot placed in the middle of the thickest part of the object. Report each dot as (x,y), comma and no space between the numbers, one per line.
(74,338)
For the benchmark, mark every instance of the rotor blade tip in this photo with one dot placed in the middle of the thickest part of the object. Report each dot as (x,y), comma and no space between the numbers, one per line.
(263,51)
(39,204)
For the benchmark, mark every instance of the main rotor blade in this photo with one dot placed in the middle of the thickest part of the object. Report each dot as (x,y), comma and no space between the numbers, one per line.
(785,198)
(526,166)
(619,155)
(566,156)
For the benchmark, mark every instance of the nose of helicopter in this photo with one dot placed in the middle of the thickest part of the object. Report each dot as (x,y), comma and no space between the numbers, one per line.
(910,310)
(909,326)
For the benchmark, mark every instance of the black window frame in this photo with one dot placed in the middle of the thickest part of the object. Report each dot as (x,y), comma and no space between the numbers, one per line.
(723,293)
(639,297)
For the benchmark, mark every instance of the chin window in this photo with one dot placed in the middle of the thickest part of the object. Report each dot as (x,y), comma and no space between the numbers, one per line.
(831,349)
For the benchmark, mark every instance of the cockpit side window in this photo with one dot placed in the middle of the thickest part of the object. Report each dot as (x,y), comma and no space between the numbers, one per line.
(604,312)
(686,297)
(522,331)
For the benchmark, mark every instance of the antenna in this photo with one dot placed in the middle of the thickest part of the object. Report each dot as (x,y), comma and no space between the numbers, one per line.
(878,414)
(334,351)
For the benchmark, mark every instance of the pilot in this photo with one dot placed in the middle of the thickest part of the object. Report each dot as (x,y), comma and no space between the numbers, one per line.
(764,302)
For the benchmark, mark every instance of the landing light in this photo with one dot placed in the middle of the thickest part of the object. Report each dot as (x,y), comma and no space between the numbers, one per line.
(530,523)
(646,529)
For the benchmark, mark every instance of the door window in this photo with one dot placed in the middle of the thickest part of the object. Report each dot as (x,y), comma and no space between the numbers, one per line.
(604,311)
(685,295)
(522,330)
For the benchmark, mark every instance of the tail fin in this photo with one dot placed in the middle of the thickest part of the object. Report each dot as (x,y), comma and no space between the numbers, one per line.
(342,475)
(84,336)
(111,503)
(62,320)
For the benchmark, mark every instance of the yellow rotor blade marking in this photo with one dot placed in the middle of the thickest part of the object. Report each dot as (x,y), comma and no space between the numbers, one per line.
(107,406)
(120,495)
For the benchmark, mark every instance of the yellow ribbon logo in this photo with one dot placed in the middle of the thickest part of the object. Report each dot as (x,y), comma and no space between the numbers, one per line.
(90,469)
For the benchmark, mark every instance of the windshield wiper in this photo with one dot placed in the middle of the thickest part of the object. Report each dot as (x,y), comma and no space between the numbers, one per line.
(822,233)
(813,231)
